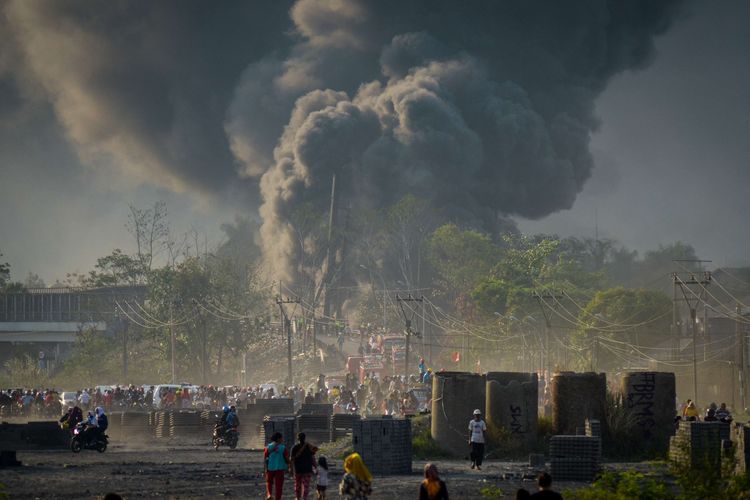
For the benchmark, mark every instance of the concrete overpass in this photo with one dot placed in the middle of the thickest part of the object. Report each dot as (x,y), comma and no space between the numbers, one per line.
(53,317)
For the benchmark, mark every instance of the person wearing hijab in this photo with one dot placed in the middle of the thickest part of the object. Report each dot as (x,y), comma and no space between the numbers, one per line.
(432,488)
(357,482)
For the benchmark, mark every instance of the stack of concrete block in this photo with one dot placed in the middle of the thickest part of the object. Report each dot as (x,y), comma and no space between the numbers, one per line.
(186,424)
(384,444)
(252,418)
(342,425)
(163,424)
(281,406)
(285,424)
(742,443)
(316,409)
(130,425)
(317,428)
(594,429)
(698,444)
(574,458)
(115,431)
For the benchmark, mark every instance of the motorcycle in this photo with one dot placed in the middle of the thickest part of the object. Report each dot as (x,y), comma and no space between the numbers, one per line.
(229,437)
(80,442)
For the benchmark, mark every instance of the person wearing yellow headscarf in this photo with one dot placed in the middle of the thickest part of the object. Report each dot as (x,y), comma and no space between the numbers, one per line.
(357,482)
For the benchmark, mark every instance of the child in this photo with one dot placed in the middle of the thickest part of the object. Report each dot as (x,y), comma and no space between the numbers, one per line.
(322,471)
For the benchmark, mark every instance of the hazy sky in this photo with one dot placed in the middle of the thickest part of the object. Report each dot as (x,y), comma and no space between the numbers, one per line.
(672,152)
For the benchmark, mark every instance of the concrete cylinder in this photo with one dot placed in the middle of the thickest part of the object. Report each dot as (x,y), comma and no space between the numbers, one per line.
(576,397)
(455,396)
(512,404)
(649,398)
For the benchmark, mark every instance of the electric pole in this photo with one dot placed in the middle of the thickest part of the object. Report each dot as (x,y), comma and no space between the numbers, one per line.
(740,361)
(286,326)
(172,340)
(407,323)
(692,302)
(125,325)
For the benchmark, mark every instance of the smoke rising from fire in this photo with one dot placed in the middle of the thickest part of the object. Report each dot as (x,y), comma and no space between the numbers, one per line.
(483,107)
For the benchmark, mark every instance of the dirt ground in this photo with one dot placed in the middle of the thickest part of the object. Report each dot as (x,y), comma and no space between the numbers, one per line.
(200,471)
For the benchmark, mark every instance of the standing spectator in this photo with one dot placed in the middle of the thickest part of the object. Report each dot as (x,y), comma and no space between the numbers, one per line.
(477,428)
(303,461)
(432,488)
(84,399)
(187,401)
(545,489)
(357,482)
(690,413)
(275,464)
(723,414)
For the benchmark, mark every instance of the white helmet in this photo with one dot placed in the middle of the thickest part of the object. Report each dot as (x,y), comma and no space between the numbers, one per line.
(477,412)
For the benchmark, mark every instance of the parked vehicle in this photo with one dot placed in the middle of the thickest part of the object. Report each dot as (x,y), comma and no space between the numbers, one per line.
(68,399)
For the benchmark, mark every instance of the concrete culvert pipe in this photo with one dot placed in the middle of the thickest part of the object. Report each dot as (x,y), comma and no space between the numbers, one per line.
(576,397)
(512,404)
(649,398)
(455,395)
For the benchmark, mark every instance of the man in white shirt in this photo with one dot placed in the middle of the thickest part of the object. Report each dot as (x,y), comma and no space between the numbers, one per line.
(477,428)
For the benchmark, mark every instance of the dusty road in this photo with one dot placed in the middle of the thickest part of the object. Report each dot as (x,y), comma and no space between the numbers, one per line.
(190,472)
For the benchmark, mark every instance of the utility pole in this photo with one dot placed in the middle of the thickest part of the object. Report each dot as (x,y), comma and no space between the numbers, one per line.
(330,254)
(692,302)
(172,340)
(125,325)
(541,299)
(286,325)
(407,323)
(740,361)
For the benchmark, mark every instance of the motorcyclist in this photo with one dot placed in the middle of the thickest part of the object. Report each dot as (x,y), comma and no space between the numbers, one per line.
(232,421)
(89,428)
(222,424)
(102,422)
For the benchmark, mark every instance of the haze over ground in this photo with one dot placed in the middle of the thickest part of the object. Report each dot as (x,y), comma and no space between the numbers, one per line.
(672,158)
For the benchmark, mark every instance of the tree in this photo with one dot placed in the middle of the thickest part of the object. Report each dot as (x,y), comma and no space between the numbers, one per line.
(409,222)
(460,257)
(628,316)
(117,269)
(4,273)
(6,285)
(34,281)
(150,229)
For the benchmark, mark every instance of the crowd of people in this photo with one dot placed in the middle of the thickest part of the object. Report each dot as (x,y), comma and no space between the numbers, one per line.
(26,403)
(689,412)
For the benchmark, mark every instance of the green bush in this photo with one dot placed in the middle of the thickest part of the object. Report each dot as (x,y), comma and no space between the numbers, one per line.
(339,449)
(422,444)
(623,486)
(492,492)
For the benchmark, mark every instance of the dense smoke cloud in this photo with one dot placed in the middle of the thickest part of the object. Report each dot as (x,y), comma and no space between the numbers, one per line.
(485,108)
(144,86)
